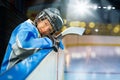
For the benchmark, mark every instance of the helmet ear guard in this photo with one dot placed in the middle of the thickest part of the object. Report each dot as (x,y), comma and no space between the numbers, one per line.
(53,15)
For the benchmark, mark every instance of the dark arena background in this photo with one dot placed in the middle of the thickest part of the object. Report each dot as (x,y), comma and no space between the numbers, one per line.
(93,56)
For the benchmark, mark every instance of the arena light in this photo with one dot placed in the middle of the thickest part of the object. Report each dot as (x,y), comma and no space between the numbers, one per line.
(113,7)
(104,7)
(82,7)
(82,24)
(116,29)
(109,7)
(99,7)
(91,25)
(79,8)
(95,7)
(96,30)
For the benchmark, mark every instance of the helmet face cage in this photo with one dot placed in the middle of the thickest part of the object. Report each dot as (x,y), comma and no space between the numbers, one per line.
(53,15)
(40,16)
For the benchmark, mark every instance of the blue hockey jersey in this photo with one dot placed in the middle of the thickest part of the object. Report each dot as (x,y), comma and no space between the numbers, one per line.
(25,40)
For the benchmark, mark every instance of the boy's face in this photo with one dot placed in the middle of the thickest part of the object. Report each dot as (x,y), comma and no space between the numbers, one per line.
(44,27)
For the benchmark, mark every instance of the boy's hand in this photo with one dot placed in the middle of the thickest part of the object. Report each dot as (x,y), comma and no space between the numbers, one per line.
(56,43)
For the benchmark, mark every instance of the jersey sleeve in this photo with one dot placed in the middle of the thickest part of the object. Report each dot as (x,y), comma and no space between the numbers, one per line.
(28,43)
(28,39)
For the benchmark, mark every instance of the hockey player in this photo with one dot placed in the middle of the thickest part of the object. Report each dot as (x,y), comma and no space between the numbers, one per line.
(32,36)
